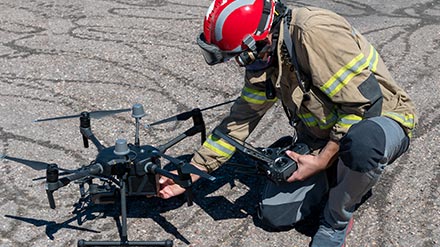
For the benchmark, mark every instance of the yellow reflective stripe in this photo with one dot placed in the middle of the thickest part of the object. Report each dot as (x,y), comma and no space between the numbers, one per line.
(254,96)
(373,57)
(406,120)
(219,146)
(310,120)
(329,121)
(344,75)
(350,70)
(346,121)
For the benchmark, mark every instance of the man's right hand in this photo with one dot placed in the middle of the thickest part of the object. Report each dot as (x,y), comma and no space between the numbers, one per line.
(168,188)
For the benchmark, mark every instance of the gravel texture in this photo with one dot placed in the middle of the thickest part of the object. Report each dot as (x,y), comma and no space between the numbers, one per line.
(64,57)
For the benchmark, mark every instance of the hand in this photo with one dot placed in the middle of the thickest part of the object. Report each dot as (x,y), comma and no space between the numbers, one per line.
(308,165)
(168,188)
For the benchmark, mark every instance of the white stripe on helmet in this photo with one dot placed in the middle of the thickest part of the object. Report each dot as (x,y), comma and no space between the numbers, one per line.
(224,15)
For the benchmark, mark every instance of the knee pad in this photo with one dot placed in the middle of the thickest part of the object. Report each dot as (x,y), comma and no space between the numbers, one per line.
(362,149)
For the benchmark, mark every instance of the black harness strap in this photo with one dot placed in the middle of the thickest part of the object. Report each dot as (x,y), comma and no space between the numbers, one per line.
(292,53)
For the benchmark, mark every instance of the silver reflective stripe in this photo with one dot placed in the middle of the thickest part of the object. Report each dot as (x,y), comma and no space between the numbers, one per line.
(224,15)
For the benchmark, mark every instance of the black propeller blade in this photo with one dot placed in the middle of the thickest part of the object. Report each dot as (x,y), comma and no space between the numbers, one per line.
(93,114)
(186,115)
(60,174)
(179,117)
(36,165)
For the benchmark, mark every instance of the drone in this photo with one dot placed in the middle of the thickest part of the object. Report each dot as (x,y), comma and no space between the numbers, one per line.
(131,169)
(124,169)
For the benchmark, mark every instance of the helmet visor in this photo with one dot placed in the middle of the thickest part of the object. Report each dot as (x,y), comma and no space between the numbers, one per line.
(213,54)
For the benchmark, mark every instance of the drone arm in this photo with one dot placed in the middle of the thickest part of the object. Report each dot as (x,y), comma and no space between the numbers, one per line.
(185,167)
(53,183)
(88,135)
(155,169)
(183,180)
(172,142)
(94,169)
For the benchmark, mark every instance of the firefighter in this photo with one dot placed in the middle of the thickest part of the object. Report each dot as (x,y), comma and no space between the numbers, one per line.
(336,92)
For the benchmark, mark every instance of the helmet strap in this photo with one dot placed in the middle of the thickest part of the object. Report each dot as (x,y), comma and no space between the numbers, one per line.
(264,17)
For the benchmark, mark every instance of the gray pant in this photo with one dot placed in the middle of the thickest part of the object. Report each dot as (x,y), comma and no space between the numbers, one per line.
(352,185)
(284,205)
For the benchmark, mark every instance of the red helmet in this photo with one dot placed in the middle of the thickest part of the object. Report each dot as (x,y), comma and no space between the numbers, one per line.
(235,25)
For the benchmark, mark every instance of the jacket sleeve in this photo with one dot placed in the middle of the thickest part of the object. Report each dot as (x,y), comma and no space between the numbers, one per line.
(341,70)
(244,116)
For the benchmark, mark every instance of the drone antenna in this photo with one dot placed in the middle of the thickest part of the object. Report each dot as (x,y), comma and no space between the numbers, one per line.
(137,112)
(121,147)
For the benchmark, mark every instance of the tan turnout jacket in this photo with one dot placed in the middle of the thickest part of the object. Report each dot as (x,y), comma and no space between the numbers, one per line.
(337,61)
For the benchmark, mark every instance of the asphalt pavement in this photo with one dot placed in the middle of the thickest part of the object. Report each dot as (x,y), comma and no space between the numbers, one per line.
(62,57)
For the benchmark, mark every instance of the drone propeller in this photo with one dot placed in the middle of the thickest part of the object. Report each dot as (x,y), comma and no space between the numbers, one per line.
(36,165)
(180,117)
(186,115)
(60,174)
(93,114)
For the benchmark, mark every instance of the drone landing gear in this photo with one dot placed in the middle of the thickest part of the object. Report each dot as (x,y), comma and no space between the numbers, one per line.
(166,243)
(124,236)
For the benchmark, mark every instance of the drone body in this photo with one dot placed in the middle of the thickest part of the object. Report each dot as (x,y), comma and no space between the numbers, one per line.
(140,181)
(122,170)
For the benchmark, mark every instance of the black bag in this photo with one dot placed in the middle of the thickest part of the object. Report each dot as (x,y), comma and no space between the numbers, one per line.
(284,205)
